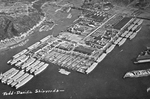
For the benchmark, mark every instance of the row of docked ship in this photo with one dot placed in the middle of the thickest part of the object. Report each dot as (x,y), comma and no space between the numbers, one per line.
(129,30)
(26,66)
(15,78)
(19,77)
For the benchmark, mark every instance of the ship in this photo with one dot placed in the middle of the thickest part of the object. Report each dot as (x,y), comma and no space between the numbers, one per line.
(91,68)
(32,65)
(81,70)
(135,31)
(148,89)
(137,73)
(63,71)
(14,61)
(45,39)
(133,36)
(24,81)
(15,77)
(136,21)
(19,79)
(42,68)
(118,40)
(110,48)
(29,62)
(1,76)
(122,42)
(4,79)
(34,46)
(143,57)
(7,72)
(130,27)
(140,22)
(129,34)
(8,62)
(101,57)
(36,67)
(20,53)
(124,33)
(22,60)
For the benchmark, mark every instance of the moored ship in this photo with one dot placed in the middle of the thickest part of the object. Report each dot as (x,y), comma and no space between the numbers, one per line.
(15,60)
(91,68)
(29,62)
(129,34)
(36,67)
(118,40)
(124,33)
(143,57)
(32,65)
(122,42)
(20,53)
(4,79)
(34,45)
(19,79)
(137,73)
(7,72)
(22,60)
(45,39)
(15,77)
(24,81)
(111,47)
(101,57)
(42,68)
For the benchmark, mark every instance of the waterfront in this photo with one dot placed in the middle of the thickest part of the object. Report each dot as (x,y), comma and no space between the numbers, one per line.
(104,82)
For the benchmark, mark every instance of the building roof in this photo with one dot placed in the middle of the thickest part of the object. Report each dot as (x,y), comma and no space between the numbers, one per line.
(121,23)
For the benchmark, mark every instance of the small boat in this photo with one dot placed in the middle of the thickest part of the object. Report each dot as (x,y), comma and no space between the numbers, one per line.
(63,71)
(137,73)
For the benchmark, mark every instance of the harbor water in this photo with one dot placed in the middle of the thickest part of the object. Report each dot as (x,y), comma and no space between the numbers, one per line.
(104,82)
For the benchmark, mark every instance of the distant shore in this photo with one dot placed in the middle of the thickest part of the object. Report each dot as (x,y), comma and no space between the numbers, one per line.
(5,44)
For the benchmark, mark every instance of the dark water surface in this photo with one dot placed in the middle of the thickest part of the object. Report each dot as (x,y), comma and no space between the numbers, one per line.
(105,82)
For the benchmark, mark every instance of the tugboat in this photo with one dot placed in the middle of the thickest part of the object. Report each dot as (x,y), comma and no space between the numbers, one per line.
(137,73)
(143,57)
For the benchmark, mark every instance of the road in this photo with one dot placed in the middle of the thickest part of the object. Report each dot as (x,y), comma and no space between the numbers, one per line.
(99,27)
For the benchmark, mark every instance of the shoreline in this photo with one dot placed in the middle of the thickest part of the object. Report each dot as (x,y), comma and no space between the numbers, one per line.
(7,43)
